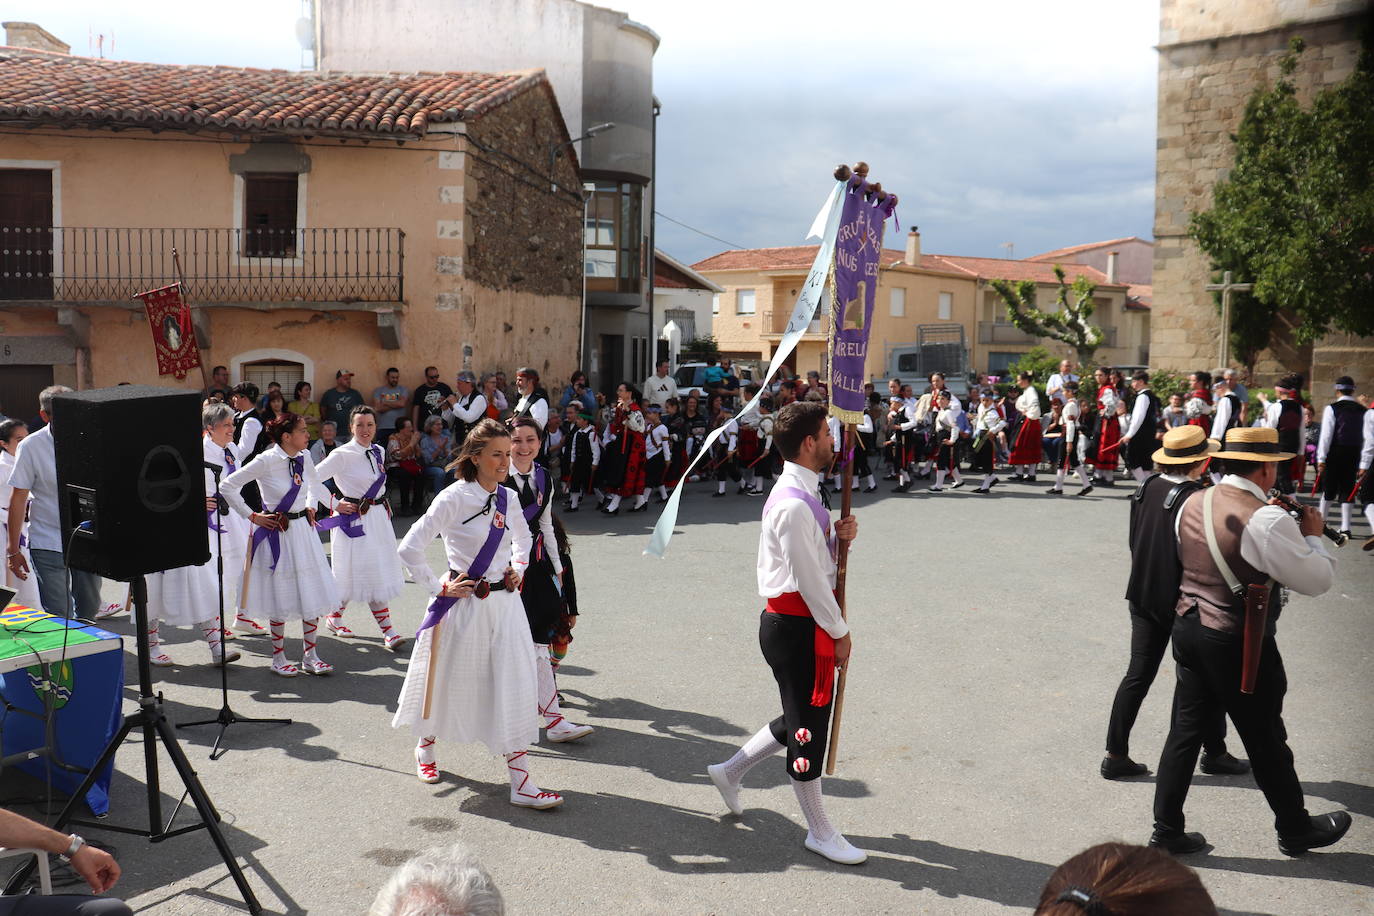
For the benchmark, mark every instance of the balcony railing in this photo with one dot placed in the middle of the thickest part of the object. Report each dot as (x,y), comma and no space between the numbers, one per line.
(995,332)
(775,322)
(81,264)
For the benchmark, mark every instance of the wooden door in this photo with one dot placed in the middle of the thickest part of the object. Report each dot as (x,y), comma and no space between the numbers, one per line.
(19,387)
(26,237)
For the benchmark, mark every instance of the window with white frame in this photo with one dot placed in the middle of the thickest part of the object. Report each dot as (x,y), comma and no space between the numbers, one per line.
(744,302)
(946,306)
(715,303)
(897,302)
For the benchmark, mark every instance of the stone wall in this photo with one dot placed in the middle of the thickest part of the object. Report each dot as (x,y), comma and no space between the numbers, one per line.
(520,235)
(1212,57)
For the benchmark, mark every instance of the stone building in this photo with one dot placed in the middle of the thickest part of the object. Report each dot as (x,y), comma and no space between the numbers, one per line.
(1213,54)
(323,221)
(600,64)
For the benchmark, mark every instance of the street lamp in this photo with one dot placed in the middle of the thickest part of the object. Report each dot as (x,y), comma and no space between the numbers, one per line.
(555,147)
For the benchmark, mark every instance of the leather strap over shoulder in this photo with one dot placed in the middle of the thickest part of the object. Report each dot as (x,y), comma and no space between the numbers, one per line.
(1139,493)
(1179,491)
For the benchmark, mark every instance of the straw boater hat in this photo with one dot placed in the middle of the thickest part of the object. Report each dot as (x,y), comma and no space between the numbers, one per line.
(1253,443)
(1184,445)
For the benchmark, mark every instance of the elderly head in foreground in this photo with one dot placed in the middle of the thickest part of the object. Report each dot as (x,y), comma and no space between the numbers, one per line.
(445,881)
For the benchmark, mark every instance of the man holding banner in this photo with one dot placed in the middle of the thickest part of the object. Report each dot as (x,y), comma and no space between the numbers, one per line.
(802,632)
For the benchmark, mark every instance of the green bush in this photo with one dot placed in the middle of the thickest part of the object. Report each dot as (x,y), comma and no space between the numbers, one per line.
(700,349)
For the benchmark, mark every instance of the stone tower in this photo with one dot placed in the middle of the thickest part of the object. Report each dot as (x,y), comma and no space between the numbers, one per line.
(1212,55)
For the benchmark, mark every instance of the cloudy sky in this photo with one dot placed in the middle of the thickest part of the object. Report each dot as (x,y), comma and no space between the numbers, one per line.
(995,120)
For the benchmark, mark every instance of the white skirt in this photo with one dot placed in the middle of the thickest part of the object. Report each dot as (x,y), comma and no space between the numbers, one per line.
(367,568)
(300,588)
(484,688)
(188,595)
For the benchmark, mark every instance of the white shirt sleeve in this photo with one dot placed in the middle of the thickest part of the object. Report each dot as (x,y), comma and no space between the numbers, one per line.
(550,540)
(866,424)
(441,514)
(800,536)
(1367,452)
(1273,544)
(540,412)
(231,486)
(1221,417)
(593,439)
(1108,400)
(248,437)
(1271,415)
(1142,407)
(315,492)
(1328,430)
(470,414)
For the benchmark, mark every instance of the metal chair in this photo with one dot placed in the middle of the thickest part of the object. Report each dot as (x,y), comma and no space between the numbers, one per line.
(44,875)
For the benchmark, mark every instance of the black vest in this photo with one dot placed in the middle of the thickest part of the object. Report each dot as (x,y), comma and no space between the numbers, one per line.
(1289,425)
(1152,590)
(1349,424)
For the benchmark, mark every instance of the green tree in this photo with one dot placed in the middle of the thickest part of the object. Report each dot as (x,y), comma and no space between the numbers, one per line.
(699,349)
(1069,324)
(1295,216)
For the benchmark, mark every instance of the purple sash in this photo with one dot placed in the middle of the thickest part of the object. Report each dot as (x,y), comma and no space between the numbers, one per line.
(531,512)
(273,538)
(813,502)
(352,525)
(441,605)
(211,516)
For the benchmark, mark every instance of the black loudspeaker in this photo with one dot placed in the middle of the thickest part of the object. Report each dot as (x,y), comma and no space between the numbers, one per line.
(130,483)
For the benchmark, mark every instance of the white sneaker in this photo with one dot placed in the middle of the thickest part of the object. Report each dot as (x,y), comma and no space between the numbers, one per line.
(248,627)
(160,659)
(221,658)
(727,789)
(538,799)
(110,610)
(836,849)
(567,731)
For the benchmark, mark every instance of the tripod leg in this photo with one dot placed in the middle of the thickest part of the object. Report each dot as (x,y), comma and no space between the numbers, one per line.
(79,796)
(208,815)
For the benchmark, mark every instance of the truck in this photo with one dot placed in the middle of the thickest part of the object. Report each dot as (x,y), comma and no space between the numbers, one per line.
(937,348)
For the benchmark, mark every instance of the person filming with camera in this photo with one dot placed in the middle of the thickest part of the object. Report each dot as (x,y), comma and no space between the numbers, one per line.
(1238,553)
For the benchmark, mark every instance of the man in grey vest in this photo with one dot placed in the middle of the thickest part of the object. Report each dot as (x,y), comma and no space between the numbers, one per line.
(1230,538)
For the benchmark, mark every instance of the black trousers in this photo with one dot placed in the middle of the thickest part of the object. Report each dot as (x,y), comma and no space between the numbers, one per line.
(409,486)
(788,645)
(1149,641)
(1208,664)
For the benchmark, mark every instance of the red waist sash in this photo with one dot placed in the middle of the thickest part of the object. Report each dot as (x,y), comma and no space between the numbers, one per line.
(791,604)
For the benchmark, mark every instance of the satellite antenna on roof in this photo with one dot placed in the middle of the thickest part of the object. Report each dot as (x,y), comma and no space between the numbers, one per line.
(1011,250)
(95,43)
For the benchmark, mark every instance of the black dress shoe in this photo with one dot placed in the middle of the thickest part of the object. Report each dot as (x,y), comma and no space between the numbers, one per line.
(901,488)
(1223,765)
(1177,843)
(1085,491)
(870,489)
(642,508)
(1323,830)
(1118,767)
(957,484)
(717,494)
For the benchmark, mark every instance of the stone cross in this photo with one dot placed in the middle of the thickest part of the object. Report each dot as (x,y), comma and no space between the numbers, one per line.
(1226,286)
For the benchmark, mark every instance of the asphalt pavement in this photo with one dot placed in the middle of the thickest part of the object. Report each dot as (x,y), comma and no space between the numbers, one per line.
(990,634)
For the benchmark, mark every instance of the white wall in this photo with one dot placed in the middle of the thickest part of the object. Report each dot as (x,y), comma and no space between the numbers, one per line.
(441,35)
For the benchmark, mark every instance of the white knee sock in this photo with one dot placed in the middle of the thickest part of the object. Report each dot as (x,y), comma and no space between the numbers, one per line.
(309,631)
(1345,516)
(955,475)
(1139,474)
(1321,508)
(1083,476)
(214,637)
(662,492)
(547,687)
(925,467)
(278,630)
(869,481)
(154,640)
(939,477)
(424,750)
(757,749)
(1369,514)
(1059,479)
(987,481)
(809,797)
(614,504)
(641,499)
(575,497)
(382,615)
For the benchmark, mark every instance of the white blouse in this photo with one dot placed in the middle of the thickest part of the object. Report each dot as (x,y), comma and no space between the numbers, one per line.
(1029,403)
(352,468)
(272,472)
(457,516)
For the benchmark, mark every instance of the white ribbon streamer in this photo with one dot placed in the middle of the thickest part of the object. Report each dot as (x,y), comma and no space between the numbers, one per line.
(826,225)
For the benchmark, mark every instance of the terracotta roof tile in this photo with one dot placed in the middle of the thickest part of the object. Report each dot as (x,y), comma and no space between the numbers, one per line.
(1062,253)
(800,258)
(37,86)
(1140,297)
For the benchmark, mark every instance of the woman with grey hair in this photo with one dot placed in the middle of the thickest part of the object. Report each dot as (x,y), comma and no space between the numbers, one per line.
(190,595)
(446,880)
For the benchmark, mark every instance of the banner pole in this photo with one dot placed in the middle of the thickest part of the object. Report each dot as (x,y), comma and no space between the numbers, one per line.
(841,568)
(195,335)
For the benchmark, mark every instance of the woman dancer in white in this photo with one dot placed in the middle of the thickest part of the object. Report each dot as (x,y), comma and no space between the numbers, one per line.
(363,546)
(472,672)
(190,595)
(287,576)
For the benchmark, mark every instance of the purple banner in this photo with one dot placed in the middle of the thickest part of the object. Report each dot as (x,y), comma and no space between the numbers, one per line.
(858,253)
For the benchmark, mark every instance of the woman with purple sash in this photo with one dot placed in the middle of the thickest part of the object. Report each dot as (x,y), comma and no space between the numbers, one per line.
(362,542)
(541,589)
(472,672)
(286,576)
(190,595)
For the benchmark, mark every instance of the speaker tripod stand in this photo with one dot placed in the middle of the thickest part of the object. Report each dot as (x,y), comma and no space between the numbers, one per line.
(226,716)
(152,719)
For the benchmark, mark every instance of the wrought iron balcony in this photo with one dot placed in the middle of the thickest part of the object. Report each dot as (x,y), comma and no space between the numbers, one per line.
(95,265)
